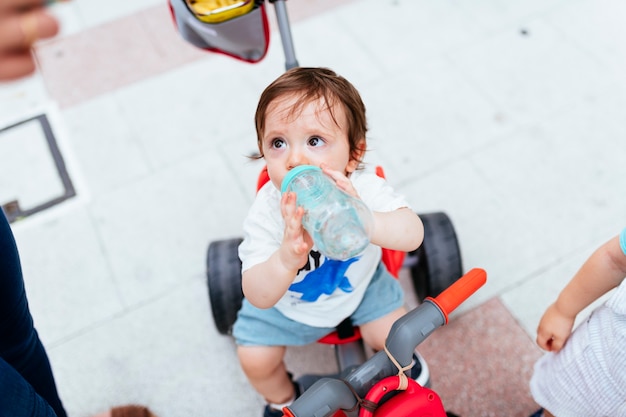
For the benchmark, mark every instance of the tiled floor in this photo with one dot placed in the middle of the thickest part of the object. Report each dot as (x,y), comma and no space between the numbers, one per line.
(507,115)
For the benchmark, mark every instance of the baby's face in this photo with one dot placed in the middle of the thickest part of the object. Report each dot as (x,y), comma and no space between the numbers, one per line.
(311,137)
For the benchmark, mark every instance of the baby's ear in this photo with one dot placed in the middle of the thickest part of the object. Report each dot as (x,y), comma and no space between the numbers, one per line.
(357,155)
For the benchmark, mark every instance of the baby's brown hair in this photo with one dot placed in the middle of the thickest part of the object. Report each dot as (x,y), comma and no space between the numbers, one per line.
(313,83)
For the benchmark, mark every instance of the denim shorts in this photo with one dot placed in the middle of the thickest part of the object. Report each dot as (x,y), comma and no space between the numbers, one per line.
(269,327)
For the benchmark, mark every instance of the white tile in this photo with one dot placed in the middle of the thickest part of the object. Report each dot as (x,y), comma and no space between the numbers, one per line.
(422,119)
(28,173)
(531,77)
(597,27)
(21,99)
(191,109)
(104,144)
(332,49)
(156,231)
(69,281)
(492,233)
(564,181)
(528,301)
(165,354)
(400,34)
(495,15)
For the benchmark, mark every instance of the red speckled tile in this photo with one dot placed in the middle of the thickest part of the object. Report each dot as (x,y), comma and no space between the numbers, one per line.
(99,60)
(481,363)
(107,57)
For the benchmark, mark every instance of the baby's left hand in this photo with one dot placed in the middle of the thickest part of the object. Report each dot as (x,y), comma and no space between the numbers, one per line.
(341,180)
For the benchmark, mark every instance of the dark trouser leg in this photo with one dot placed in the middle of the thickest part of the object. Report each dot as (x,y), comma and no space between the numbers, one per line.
(18,398)
(20,345)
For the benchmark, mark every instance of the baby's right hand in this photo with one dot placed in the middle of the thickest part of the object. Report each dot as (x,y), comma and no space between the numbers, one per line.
(294,250)
(554,329)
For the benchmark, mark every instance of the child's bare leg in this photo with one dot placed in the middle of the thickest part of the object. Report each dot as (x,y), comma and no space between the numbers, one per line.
(265,369)
(546,413)
(375,332)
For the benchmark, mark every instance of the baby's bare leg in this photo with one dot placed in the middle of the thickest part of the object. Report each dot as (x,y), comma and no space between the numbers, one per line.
(375,332)
(265,369)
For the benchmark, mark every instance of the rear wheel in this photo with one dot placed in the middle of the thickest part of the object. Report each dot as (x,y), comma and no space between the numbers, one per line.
(223,271)
(436,264)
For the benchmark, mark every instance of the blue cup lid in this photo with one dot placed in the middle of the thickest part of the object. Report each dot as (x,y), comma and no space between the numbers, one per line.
(293,172)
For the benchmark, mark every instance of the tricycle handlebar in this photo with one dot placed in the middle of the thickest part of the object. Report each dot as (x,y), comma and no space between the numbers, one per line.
(328,395)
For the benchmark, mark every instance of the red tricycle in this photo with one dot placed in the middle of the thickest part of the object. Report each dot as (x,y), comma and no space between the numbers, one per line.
(377,386)
(434,267)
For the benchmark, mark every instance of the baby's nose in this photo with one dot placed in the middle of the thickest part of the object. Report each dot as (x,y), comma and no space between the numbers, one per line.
(297,158)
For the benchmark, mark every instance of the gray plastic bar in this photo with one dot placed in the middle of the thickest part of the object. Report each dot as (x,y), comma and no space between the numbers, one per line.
(285,34)
(328,395)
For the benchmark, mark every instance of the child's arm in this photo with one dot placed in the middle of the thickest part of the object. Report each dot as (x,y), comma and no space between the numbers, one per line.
(603,271)
(400,229)
(265,283)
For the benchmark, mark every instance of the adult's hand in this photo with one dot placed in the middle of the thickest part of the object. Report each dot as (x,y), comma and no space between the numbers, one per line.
(22,23)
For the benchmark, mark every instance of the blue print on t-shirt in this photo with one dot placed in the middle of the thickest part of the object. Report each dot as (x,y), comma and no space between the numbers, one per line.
(324,280)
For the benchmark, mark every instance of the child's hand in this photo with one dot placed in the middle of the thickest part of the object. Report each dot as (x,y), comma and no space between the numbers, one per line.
(341,180)
(554,329)
(294,250)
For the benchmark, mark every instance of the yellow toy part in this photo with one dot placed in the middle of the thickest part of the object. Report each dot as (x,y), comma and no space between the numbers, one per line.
(216,11)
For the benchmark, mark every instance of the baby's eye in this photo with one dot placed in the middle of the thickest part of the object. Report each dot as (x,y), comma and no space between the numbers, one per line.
(316,141)
(277,143)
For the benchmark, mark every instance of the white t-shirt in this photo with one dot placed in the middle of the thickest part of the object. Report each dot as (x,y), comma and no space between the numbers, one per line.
(587,377)
(325,291)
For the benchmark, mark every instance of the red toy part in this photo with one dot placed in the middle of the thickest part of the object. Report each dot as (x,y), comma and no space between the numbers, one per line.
(287,413)
(454,295)
(234,38)
(415,401)
(334,339)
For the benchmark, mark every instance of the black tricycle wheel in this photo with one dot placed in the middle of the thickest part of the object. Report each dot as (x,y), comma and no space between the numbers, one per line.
(223,272)
(436,264)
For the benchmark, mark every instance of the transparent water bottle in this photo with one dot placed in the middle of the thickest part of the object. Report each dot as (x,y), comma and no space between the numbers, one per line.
(339,224)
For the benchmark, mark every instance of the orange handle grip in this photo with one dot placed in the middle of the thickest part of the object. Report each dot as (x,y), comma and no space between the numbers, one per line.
(455,294)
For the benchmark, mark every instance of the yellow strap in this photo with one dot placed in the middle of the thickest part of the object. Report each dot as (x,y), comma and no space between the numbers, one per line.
(403,384)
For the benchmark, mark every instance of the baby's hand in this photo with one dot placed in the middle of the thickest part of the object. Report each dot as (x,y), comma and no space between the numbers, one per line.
(554,329)
(341,180)
(294,250)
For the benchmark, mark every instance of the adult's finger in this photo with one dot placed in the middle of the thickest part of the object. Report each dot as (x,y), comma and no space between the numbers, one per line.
(11,6)
(19,31)
(17,65)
